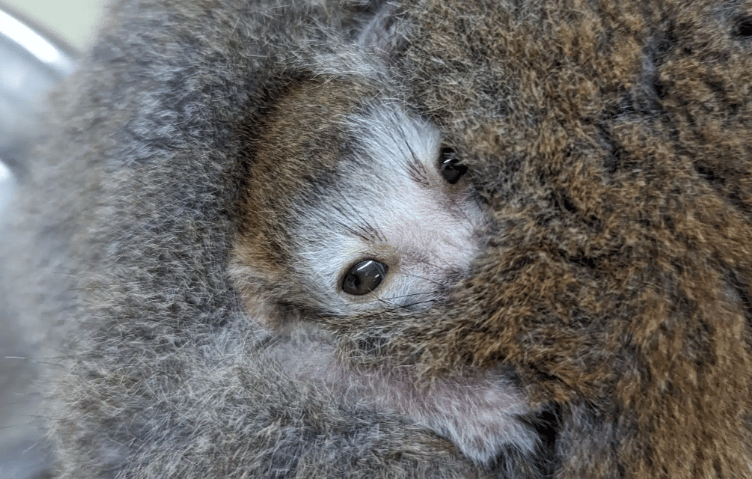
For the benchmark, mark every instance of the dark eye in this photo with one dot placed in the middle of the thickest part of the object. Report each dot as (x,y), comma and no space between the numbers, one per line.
(449,166)
(364,277)
(744,28)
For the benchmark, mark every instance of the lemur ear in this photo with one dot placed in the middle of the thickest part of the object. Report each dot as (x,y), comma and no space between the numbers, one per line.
(384,34)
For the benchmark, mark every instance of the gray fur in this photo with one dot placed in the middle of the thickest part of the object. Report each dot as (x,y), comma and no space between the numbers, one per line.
(151,367)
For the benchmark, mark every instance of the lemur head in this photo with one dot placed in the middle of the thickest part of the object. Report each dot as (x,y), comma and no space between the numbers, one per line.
(352,204)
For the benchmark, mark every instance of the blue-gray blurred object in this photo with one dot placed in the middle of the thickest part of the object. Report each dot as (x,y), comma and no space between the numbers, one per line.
(31,63)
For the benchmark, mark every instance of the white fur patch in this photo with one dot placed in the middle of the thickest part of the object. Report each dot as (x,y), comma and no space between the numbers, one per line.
(389,203)
(479,414)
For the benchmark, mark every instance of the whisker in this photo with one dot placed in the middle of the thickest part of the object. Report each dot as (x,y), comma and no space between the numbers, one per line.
(393,298)
(417,303)
(433,281)
(397,307)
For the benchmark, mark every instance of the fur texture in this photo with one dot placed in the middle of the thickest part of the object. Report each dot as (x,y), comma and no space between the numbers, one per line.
(611,140)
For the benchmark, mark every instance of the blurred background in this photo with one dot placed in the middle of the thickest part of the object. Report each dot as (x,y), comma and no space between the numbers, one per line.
(40,41)
(70,25)
(72,20)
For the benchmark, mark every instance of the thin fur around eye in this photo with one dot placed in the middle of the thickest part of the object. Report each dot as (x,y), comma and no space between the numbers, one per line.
(417,172)
(361,227)
(386,201)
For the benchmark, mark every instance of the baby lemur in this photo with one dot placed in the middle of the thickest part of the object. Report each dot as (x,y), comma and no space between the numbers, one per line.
(354,205)
(362,211)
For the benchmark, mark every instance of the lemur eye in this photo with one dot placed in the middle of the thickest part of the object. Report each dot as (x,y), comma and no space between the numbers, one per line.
(449,166)
(364,277)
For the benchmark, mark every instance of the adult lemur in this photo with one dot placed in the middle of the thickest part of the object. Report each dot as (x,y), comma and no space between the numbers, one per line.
(610,142)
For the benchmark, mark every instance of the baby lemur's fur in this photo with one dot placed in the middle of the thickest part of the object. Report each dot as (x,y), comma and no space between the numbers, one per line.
(610,140)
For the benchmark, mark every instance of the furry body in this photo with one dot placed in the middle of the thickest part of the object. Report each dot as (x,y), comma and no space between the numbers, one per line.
(182,115)
(611,140)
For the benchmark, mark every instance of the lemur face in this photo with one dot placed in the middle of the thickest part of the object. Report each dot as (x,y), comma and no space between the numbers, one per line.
(367,208)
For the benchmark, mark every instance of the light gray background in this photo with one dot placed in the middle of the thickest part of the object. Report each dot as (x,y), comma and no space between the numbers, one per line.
(74,22)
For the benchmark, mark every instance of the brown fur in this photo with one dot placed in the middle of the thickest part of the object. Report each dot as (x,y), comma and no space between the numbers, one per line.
(613,141)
